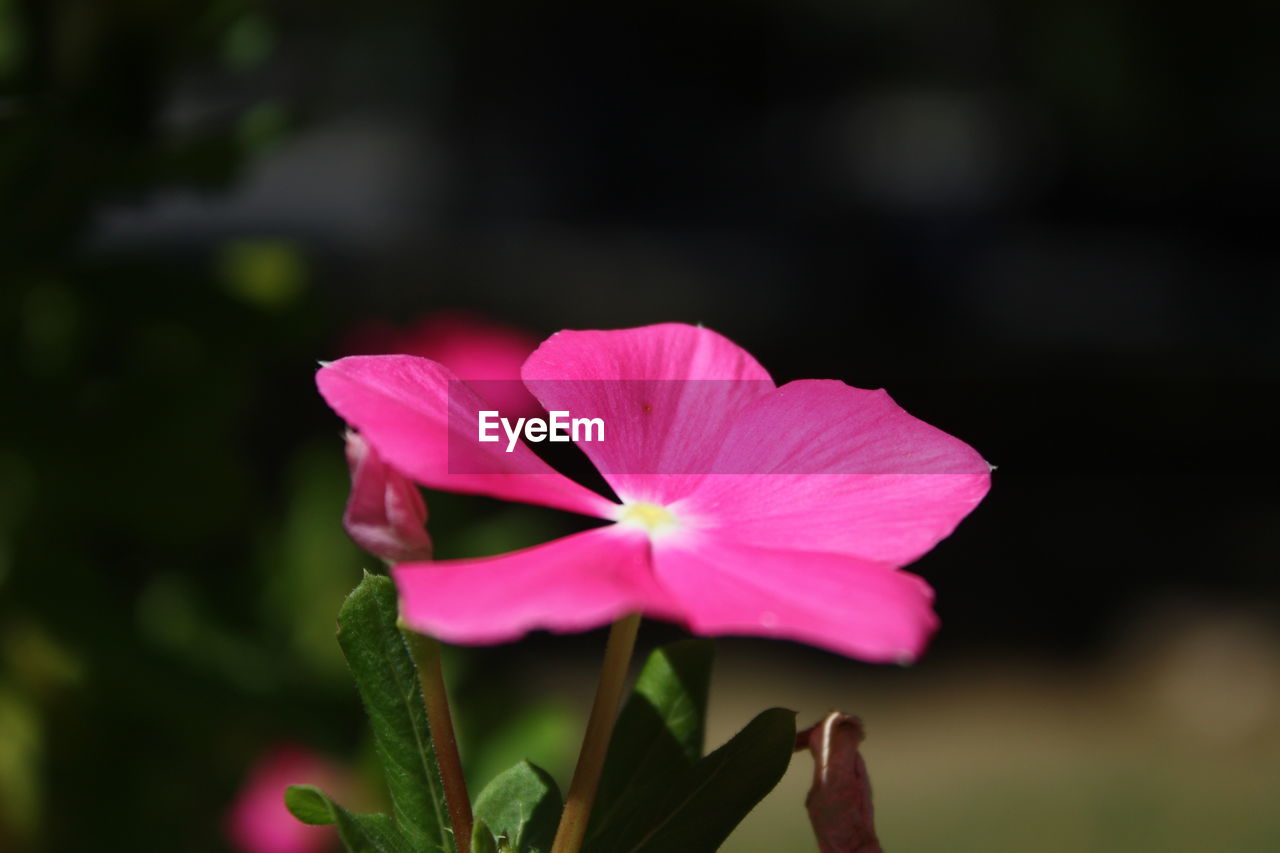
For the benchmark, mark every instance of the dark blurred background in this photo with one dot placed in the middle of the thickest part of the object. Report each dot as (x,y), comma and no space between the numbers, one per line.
(1045,227)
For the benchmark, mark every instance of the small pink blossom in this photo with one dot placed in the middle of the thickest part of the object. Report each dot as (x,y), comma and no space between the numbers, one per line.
(385,513)
(259,822)
(743,507)
(474,348)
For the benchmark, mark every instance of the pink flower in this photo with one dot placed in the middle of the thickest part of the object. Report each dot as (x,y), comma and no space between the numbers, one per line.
(259,822)
(744,508)
(385,513)
(472,347)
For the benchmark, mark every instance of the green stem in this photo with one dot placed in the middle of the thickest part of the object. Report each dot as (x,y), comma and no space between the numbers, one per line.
(595,743)
(426,654)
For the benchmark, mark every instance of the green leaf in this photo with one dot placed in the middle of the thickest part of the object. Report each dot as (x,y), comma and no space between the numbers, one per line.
(309,804)
(700,807)
(482,840)
(360,833)
(658,736)
(388,682)
(523,804)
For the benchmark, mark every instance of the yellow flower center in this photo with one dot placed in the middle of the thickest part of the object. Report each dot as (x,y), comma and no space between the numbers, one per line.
(648,516)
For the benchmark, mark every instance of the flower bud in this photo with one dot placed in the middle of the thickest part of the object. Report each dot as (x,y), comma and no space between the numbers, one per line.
(385,513)
(839,800)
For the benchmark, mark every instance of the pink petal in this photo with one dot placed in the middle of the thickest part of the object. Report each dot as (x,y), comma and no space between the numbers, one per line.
(385,513)
(666,393)
(571,584)
(855,607)
(821,466)
(473,347)
(422,421)
(259,822)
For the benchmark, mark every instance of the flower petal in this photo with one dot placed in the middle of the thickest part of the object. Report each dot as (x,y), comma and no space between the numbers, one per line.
(571,584)
(821,466)
(666,393)
(421,419)
(472,346)
(854,607)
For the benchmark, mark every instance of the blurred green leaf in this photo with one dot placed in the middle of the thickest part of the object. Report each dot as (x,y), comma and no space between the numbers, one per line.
(51,319)
(308,562)
(696,810)
(508,529)
(388,682)
(17,489)
(658,736)
(12,45)
(262,126)
(542,732)
(247,43)
(20,752)
(171,615)
(523,804)
(39,660)
(374,833)
(268,274)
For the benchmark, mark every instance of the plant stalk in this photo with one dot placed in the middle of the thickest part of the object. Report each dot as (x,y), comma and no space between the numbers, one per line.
(426,654)
(595,743)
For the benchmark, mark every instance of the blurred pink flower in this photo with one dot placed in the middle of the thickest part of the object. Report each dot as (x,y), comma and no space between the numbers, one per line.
(745,508)
(259,822)
(385,513)
(472,347)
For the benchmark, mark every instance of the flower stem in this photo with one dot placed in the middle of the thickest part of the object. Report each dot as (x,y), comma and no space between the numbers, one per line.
(426,654)
(595,743)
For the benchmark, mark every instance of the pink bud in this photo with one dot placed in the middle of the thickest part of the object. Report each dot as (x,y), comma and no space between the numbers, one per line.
(385,513)
(839,800)
(259,822)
